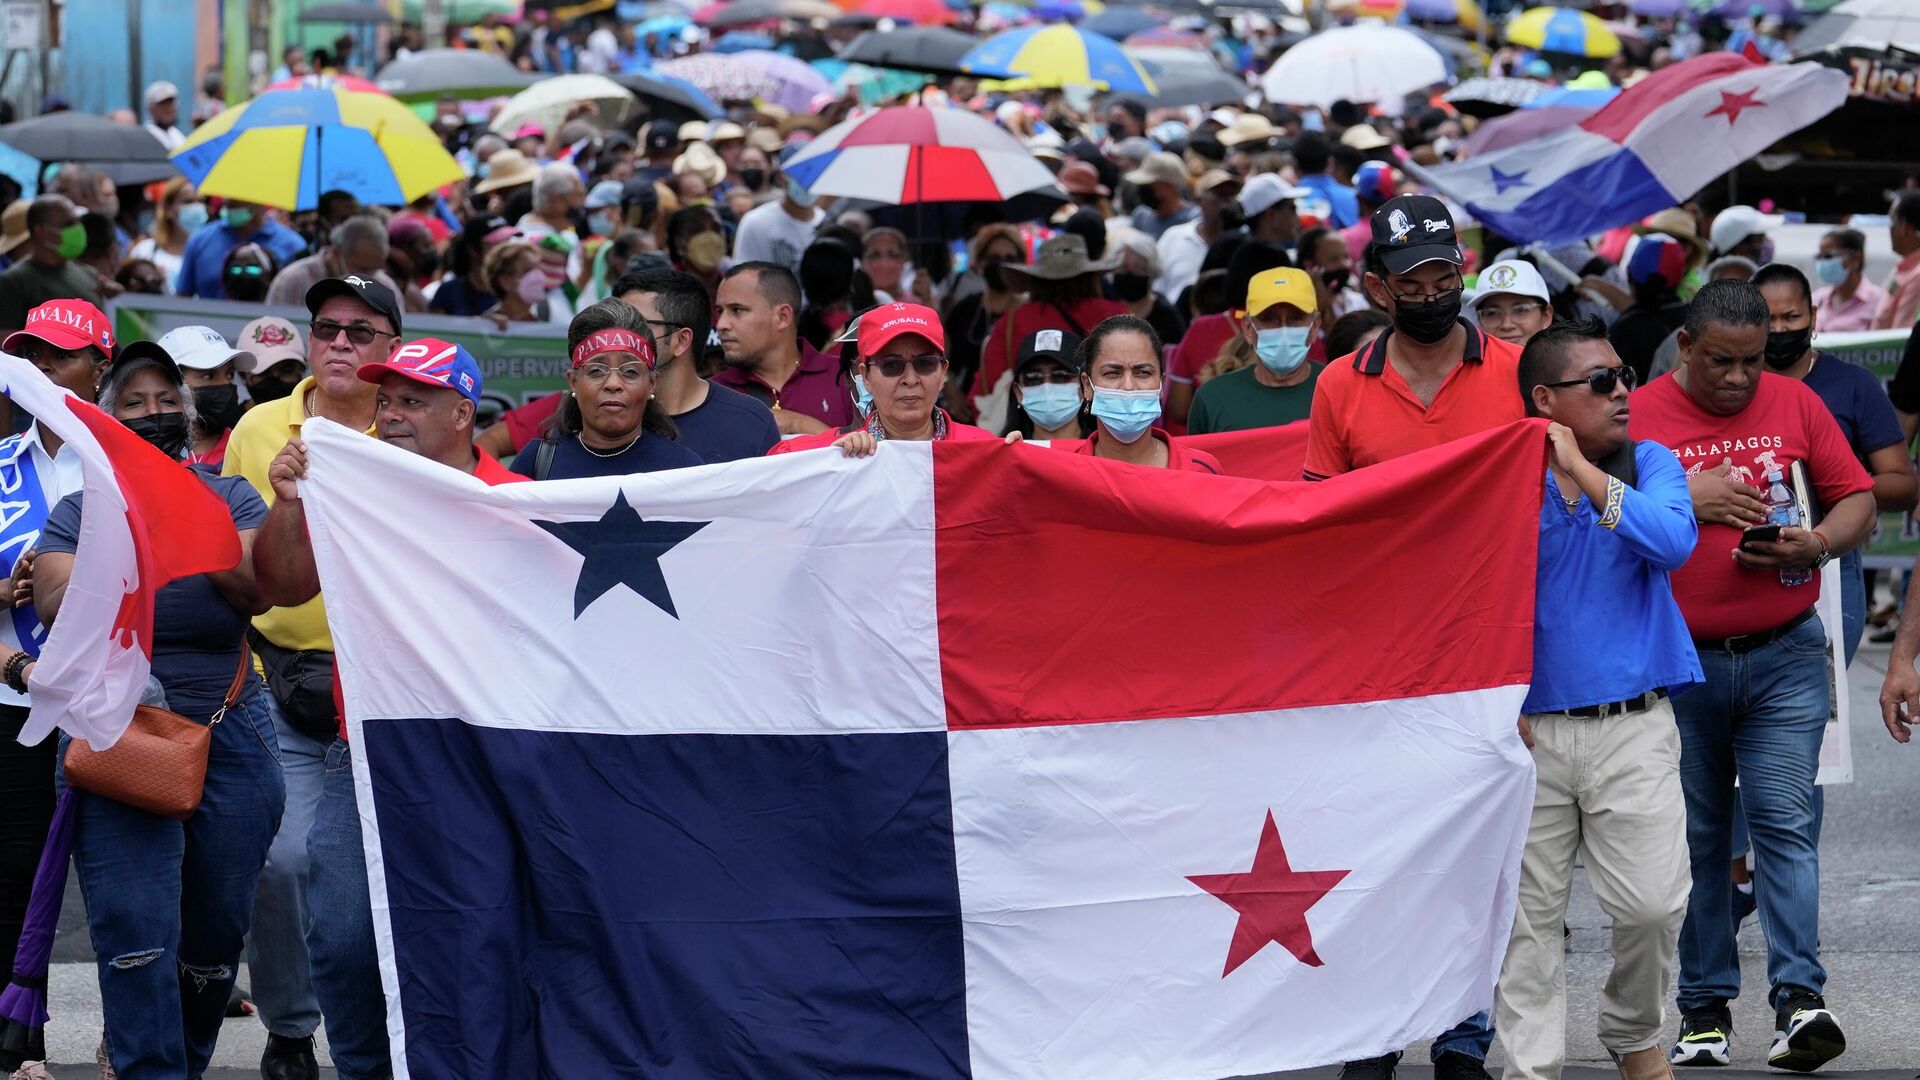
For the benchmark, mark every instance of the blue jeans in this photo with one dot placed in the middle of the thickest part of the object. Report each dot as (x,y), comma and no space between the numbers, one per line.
(168,902)
(1472,1037)
(346,963)
(277,945)
(1761,716)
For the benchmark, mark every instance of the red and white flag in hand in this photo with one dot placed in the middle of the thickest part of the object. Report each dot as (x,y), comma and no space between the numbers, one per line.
(147,521)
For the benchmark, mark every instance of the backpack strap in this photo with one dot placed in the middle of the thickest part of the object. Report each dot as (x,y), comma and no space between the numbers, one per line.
(543,458)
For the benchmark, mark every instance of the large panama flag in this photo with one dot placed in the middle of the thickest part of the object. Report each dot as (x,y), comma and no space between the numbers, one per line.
(964,760)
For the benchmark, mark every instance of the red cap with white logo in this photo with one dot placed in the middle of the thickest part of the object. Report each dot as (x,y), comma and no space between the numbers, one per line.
(889,321)
(66,325)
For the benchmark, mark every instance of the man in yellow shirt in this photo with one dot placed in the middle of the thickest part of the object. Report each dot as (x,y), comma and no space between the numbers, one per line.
(356,320)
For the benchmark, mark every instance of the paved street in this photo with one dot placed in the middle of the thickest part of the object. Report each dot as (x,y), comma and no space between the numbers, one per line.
(1870,904)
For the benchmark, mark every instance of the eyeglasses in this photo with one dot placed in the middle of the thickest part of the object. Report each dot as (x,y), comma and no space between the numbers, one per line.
(1603,380)
(326,330)
(245,270)
(631,374)
(1058,377)
(664,322)
(1427,298)
(895,366)
(1495,313)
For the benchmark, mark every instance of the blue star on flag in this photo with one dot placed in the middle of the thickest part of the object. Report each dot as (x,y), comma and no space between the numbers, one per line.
(1503,181)
(622,548)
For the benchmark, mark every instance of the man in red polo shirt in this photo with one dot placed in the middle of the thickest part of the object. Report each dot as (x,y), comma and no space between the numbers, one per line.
(1763,712)
(1431,377)
(757,312)
(1428,379)
(428,391)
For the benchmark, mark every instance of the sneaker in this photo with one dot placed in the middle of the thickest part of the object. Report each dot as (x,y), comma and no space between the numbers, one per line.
(288,1059)
(1454,1065)
(1380,1068)
(1706,1035)
(1745,903)
(1805,1034)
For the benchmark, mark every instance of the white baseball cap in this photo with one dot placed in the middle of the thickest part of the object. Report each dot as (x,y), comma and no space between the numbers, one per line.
(1736,223)
(203,349)
(1515,276)
(1261,192)
(162,91)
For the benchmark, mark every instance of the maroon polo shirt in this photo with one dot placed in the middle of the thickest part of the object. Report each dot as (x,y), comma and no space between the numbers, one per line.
(814,390)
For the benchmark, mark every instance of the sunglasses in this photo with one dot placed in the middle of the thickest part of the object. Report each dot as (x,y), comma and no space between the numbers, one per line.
(245,270)
(1058,377)
(326,330)
(895,366)
(1602,381)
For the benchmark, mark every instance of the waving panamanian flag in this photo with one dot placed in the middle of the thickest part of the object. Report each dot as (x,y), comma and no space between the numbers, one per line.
(964,760)
(1654,146)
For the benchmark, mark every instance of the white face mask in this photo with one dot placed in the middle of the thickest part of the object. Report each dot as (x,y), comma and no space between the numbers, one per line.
(532,287)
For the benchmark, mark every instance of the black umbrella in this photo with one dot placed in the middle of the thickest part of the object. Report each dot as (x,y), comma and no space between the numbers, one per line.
(933,50)
(1177,87)
(672,99)
(460,72)
(1119,22)
(127,154)
(346,13)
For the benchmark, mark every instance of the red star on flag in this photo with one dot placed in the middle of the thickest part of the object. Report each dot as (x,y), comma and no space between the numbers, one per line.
(1272,899)
(1731,105)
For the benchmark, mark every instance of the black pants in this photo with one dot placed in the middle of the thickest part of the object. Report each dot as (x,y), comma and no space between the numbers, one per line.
(26,809)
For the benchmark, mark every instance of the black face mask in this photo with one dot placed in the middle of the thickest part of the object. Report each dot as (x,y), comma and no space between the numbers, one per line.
(1336,279)
(994,274)
(1430,320)
(1131,287)
(166,431)
(1786,347)
(755,179)
(246,288)
(218,406)
(268,389)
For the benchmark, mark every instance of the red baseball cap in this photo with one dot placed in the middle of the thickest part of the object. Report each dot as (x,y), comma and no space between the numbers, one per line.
(889,321)
(66,325)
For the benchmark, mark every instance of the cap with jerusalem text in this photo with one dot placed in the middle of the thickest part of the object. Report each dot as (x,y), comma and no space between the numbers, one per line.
(1060,346)
(889,321)
(433,362)
(66,325)
(364,289)
(1413,229)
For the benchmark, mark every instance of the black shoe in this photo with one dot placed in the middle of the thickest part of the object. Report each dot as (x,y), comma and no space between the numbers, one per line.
(1805,1034)
(238,1003)
(1380,1068)
(1454,1065)
(1706,1037)
(288,1059)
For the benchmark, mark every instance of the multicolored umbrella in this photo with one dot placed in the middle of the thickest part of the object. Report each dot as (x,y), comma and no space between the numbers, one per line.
(326,82)
(1052,56)
(909,154)
(1563,30)
(285,147)
(1574,97)
(797,82)
(1169,37)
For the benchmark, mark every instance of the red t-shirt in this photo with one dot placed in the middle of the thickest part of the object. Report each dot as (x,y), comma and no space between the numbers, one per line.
(996,357)
(1180,457)
(526,422)
(1201,345)
(1365,413)
(956,432)
(485,468)
(1784,423)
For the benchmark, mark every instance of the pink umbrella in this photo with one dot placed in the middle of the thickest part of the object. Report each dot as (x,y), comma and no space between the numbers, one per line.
(311,82)
(798,81)
(1518,127)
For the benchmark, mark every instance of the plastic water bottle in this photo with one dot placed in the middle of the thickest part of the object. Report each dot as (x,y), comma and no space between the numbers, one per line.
(1784,512)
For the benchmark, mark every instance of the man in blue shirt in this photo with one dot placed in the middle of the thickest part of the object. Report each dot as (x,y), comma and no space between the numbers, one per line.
(207,249)
(717,422)
(1336,204)
(1609,646)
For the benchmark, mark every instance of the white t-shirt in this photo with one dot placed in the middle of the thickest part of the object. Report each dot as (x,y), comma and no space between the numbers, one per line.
(1181,253)
(767,233)
(169,263)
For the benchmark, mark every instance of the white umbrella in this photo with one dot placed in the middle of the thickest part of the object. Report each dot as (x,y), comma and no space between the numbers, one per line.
(1353,63)
(547,102)
(1873,24)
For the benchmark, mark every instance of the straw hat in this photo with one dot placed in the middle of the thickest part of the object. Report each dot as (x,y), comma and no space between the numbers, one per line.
(13,225)
(1063,257)
(1249,127)
(701,160)
(505,169)
(1678,224)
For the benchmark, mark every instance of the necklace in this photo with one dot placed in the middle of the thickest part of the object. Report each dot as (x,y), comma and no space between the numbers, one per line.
(611,453)
(308,403)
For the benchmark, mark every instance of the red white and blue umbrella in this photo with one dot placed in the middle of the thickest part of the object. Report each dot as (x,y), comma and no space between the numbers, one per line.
(910,154)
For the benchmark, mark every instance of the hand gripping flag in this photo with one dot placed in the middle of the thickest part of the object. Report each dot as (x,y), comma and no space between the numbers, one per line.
(1654,146)
(147,520)
(963,760)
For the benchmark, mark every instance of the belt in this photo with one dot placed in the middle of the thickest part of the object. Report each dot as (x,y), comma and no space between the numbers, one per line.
(1746,643)
(1631,705)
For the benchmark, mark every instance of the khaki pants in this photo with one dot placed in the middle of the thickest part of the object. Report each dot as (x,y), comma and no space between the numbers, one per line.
(1609,789)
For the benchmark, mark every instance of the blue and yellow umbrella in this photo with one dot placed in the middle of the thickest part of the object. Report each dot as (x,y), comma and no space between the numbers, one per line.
(1050,56)
(1563,30)
(285,147)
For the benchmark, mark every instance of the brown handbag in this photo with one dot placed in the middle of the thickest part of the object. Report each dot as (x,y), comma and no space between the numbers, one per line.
(160,763)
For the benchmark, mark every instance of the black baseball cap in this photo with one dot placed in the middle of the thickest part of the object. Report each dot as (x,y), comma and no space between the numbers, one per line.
(1060,346)
(364,289)
(1412,229)
(660,135)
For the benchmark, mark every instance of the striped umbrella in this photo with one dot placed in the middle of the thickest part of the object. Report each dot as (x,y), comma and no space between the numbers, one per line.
(1052,56)
(285,147)
(909,154)
(1563,30)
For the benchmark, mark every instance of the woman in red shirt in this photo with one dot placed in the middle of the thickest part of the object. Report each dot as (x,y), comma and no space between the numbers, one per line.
(1063,287)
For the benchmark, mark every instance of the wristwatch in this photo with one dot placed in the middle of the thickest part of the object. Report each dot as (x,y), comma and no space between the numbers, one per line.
(1826,550)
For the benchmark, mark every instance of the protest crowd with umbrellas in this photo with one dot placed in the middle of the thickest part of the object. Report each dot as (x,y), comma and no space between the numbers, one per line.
(1260,242)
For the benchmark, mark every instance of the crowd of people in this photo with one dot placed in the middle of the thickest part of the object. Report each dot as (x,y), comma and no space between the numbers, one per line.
(1212,271)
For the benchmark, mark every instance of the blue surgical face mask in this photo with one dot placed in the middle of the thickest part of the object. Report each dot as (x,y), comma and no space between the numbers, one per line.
(1283,349)
(603,224)
(862,397)
(1831,271)
(801,196)
(193,215)
(1127,414)
(1051,405)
